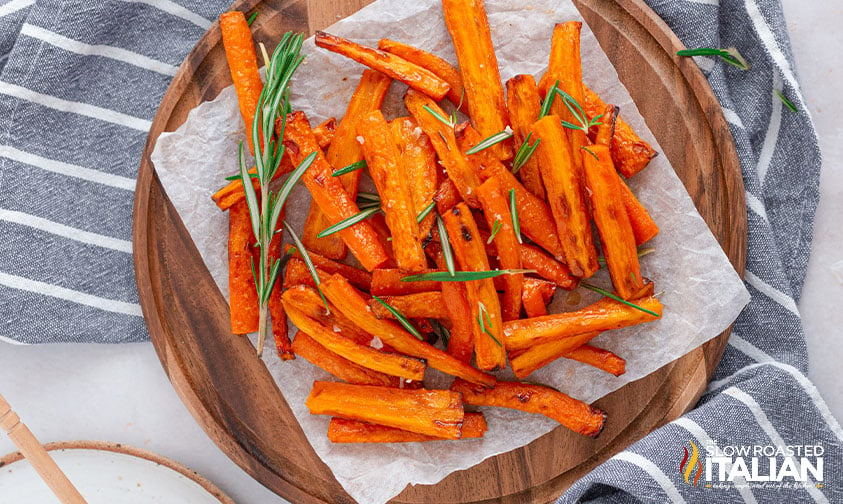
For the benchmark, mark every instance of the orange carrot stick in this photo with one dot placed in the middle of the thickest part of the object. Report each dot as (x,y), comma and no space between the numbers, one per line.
(565,192)
(419,305)
(419,160)
(436,413)
(455,297)
(599,358)
(342,368)
(396,67)
(575,348)
(470,254)
(606,128)
(573,414)
(387,282)
(524,105)
(643,226)
(359,278)
(241,282)
(537,293)
(469,28)
(435,64)
(342,430)
(546,267)
(446,196)
(276,307)
(297,273)
(496,211)
(387,170)
(243,63)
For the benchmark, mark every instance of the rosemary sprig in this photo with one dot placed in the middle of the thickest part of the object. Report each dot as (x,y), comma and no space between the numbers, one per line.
(730,55)
(485,322)
(400,318)
(240,177)
(525,152)
(349,221)
(489,141)
(265,212)
(449,122)
(496,227)
(616,298)
(252,18)
(787,103)
(445,242)
(309,263)
(548,99)
(579,114)
(462,276)
(513,209)
(359,165)
(583,147)
(425,211)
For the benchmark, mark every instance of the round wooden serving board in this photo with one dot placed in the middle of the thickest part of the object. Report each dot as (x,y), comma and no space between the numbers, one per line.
(231,394)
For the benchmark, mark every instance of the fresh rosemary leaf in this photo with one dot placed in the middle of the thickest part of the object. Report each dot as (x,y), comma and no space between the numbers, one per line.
(231,178)
(579,114)
(462,276)
(401,318)
(359,165)
(548,100)
(444,120)
(513,209)
(252,18)
(496,227)
(365,205)
(309,263)
(348,222)
(368,196)
(287,187)
(251,196)
(445,242)
(485,322)
(525,152)
(730,55)
(787,103)
(616,298)
(488,142)
(583,147)
(429,208)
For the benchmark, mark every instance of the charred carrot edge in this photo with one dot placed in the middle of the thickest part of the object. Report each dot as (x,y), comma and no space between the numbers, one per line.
(496,210)
(606,128)
(419,305)
(363,355)
(433,63)
(564,184)
(446,196)
(349,301)
(310,350)
(469,28)
(534,297)
(276,308)
(598,358)
(436,413)
(616,238)
(643,226)
(342,430)
(387,282)
(470,254)
(459,170)
(420,167)
(387,170)
(524,105)
(297,273)
(243,63)
(243,295)
(630,153)
(572,413)
(233,193)
(394,66)
(604,315)
(324,132)
(361,279)
(537,356)
(455,297)
(534,214)
(330,195)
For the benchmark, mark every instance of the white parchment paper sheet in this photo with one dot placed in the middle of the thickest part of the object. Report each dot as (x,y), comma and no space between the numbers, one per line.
(702,293)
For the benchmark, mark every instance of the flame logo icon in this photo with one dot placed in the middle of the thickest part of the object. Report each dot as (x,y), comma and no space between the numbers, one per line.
(691,461)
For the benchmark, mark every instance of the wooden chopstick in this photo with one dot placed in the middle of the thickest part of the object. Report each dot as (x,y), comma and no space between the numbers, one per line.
(37,455)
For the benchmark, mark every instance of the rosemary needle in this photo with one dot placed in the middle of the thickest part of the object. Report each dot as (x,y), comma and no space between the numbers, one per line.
(462,276)
(616,298)
(787,103)
(400,318)
(349,221)
(513,209)
(424,213)
(489,141)
(359,165)
(525,152)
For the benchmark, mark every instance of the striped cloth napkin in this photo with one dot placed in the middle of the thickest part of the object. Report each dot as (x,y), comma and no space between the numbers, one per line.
(79,85)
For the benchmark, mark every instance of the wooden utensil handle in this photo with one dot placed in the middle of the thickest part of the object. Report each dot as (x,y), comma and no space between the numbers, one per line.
(37,455)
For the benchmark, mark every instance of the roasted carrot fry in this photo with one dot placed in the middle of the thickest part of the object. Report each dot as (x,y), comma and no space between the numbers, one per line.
(539,355)
(296,273)
(359,278)
(616,238)
(276,308)
(330,195)
(419,160)
(387,169)
(606,128)
(420,305)
(470,254)
(455,297)
(342,430)
(243,63)
(324,132)
(643,226)
(378,222)
(495,206)
(604,315)
(536,295)
(546,267)
(387,282)
(349,301)
(436,413)
(524,105)
(394,66)
(469,29)
(363,355)
(573,414)
(446,196)
(459,170)
(241,282)
(309,349)
(345,150)
(565,192)
(599,358)
(435,64)
(629,152)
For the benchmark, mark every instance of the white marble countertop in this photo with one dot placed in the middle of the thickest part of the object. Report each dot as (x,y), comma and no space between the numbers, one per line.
(121,394)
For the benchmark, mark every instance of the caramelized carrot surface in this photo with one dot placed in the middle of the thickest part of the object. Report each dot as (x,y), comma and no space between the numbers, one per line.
(387,282)
(420,305)
(419,160)
(342,430)
(310,350)
(243,64)
(361,279)
(276,307)
(243,295)
(524,105)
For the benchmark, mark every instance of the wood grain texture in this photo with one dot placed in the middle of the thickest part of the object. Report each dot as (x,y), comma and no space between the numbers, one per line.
(230,392)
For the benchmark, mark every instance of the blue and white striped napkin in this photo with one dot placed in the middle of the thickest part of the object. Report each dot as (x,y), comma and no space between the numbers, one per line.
(79,85)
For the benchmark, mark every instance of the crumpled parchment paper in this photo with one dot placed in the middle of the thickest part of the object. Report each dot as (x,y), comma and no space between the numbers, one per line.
(702,292)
